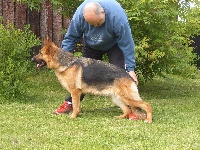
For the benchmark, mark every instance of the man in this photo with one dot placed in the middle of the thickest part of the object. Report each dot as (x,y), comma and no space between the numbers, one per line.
(104,26)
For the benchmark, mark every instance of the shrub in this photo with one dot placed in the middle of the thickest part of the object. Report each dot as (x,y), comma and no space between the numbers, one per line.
(162,41)
(15,46)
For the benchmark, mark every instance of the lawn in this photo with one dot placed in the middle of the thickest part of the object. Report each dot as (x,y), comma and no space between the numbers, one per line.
(29,123)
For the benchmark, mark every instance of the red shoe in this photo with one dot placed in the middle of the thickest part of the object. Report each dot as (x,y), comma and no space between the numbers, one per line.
(133,117)
(64,108)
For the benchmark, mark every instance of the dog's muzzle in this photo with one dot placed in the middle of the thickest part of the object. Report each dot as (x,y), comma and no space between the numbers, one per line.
(39,62)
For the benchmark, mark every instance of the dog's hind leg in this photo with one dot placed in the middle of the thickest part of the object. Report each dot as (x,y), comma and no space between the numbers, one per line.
(127,90)
(126,110)
(76,94)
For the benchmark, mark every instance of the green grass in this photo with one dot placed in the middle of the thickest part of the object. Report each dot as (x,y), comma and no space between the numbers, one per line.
(29,123)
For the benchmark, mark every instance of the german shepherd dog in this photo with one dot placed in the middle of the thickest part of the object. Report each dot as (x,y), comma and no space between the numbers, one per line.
(84,75)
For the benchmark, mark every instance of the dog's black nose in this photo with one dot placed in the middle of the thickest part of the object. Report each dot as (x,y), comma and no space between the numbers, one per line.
(34,60)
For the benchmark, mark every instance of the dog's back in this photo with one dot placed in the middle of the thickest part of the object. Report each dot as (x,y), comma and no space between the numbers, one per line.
(96,74)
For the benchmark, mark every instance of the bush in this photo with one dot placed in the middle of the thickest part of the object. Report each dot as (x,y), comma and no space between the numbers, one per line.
(162,41)
(15,63)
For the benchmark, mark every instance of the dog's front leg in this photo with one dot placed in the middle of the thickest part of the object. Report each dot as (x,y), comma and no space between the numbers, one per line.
(76,103)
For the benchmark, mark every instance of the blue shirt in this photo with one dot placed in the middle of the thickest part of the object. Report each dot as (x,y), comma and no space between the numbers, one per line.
(115,29)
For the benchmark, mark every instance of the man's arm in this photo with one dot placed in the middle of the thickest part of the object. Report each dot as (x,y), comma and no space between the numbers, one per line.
(72,36)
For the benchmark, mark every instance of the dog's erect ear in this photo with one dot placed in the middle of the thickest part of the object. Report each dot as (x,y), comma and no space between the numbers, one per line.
(51,48)
(47,41)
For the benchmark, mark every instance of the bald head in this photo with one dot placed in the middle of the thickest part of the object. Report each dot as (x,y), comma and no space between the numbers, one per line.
(94,14)
(92,8)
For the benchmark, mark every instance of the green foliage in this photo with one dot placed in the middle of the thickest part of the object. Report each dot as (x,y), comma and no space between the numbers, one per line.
(33,4)
(162,41)
(14,59)
(68,6)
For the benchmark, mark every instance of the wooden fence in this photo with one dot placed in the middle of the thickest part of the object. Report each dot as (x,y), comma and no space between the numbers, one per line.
(47,22)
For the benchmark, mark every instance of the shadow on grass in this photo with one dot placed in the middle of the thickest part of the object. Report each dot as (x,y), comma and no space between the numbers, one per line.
(40,86)
(24,98)
(172,88)
(44,86)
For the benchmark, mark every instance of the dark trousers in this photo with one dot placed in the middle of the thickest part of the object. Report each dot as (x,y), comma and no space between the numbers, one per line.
(115,56)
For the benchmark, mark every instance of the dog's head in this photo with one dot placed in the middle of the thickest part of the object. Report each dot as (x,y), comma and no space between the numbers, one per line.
(46,55)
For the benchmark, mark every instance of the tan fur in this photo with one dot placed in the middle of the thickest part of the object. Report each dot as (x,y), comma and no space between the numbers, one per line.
(122,90)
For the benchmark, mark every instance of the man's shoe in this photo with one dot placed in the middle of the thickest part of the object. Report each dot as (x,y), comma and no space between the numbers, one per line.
(133,117)
(64,108)
(137,114)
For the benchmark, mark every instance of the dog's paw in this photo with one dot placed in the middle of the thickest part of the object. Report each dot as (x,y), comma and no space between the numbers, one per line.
(122,116)
(73,116)
(147,121)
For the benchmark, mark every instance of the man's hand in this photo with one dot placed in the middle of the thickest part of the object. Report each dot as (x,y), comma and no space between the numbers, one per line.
(133,75)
